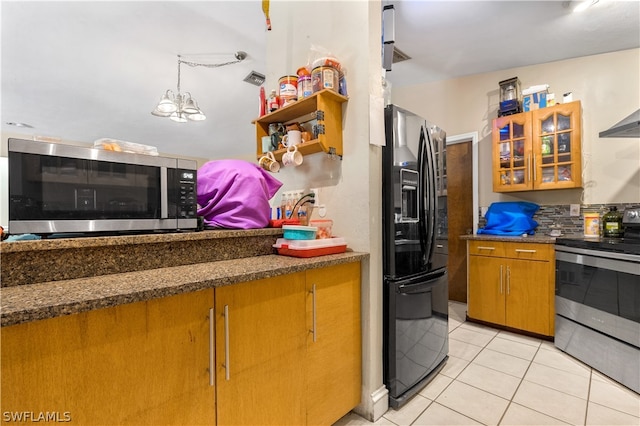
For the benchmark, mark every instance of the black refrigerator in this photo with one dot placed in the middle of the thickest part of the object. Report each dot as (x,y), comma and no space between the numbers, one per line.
(414,220)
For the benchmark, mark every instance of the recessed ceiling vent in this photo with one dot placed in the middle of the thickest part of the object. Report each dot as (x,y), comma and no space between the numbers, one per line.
(255,77)
(399,55)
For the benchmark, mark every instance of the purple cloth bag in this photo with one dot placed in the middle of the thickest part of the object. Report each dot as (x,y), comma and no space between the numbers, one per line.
(235,194)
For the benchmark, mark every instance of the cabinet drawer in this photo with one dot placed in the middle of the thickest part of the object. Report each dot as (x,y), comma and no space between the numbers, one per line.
(486,248)
(529,251)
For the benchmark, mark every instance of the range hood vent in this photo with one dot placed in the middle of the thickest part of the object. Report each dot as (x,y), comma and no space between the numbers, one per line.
(627,128)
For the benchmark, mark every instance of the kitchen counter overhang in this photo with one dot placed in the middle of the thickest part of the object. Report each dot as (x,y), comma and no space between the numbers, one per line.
(49,278)
(39,301)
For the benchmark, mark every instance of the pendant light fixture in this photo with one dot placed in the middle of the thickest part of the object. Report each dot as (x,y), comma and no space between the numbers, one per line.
(181,107)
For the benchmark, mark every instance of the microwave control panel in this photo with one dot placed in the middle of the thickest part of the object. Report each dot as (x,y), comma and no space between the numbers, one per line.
(187,197)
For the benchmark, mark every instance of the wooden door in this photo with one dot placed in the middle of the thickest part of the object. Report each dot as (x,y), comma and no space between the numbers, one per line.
(334,366)
(527,300)
(486,289)
(265,337)
(143,363)
(460,215)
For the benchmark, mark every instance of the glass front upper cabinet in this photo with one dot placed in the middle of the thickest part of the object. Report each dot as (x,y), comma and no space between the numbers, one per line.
(538,149)
(557,147)
(512,153)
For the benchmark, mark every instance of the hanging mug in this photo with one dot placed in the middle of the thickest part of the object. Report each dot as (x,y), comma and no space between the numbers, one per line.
(292,138)
(292,157)
(269,163)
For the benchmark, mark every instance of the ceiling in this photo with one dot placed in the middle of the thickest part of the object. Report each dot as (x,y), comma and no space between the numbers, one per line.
(86,70)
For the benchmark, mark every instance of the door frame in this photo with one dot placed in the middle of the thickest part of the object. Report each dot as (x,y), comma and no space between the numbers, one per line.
(473,138)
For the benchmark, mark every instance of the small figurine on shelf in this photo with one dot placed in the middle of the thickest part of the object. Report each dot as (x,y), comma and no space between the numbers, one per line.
(274,102)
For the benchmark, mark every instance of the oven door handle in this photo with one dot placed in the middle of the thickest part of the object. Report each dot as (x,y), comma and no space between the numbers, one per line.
(626,264)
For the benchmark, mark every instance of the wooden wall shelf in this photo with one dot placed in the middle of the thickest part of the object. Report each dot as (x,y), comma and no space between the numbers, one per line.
(324,106)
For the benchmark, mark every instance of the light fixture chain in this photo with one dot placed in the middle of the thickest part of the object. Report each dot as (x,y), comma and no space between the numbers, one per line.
(179,62)
(197,64)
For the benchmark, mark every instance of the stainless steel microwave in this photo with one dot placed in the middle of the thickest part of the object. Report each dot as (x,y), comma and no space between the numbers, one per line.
(56,188)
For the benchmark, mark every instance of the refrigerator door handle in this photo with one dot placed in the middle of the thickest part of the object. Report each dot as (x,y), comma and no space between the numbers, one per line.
(431,207)
(422,287)
(416,280)
(422,230)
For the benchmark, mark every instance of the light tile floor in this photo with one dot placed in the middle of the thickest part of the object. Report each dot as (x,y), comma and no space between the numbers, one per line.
(494,377)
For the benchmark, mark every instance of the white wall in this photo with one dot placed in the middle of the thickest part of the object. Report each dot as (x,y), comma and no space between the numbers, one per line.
(350,187)
(608,87)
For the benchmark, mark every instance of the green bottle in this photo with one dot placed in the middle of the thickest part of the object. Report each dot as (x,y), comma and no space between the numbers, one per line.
(612,223)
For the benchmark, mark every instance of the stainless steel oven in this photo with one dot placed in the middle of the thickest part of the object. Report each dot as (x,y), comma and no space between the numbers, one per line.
(56,188)
(598,303)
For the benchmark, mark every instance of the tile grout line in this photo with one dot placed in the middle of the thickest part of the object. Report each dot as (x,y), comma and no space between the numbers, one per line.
(519,384)
(461,371)
(433,401)
(539,348)
(523,379)
(586,409)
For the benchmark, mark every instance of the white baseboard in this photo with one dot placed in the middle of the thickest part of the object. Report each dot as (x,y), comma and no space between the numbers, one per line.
(377,405)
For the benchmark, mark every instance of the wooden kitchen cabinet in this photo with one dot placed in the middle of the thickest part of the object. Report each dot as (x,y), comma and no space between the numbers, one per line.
(512,284)
(538,150)
(278,373)
(334,352)
(144,363)
(260,350)
(322,110)
(237,354)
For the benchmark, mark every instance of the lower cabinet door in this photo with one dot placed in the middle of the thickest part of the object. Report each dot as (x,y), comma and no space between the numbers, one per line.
(334,348)
(260,351)
(486,296)
(143,363)
(528,290)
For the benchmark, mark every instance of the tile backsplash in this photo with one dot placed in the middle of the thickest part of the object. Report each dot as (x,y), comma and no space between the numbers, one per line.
(558,216)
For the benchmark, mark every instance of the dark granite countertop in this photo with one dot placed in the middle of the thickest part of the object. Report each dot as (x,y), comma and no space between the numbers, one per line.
(537,238)
(38,261)
(30,302)
(137,239)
